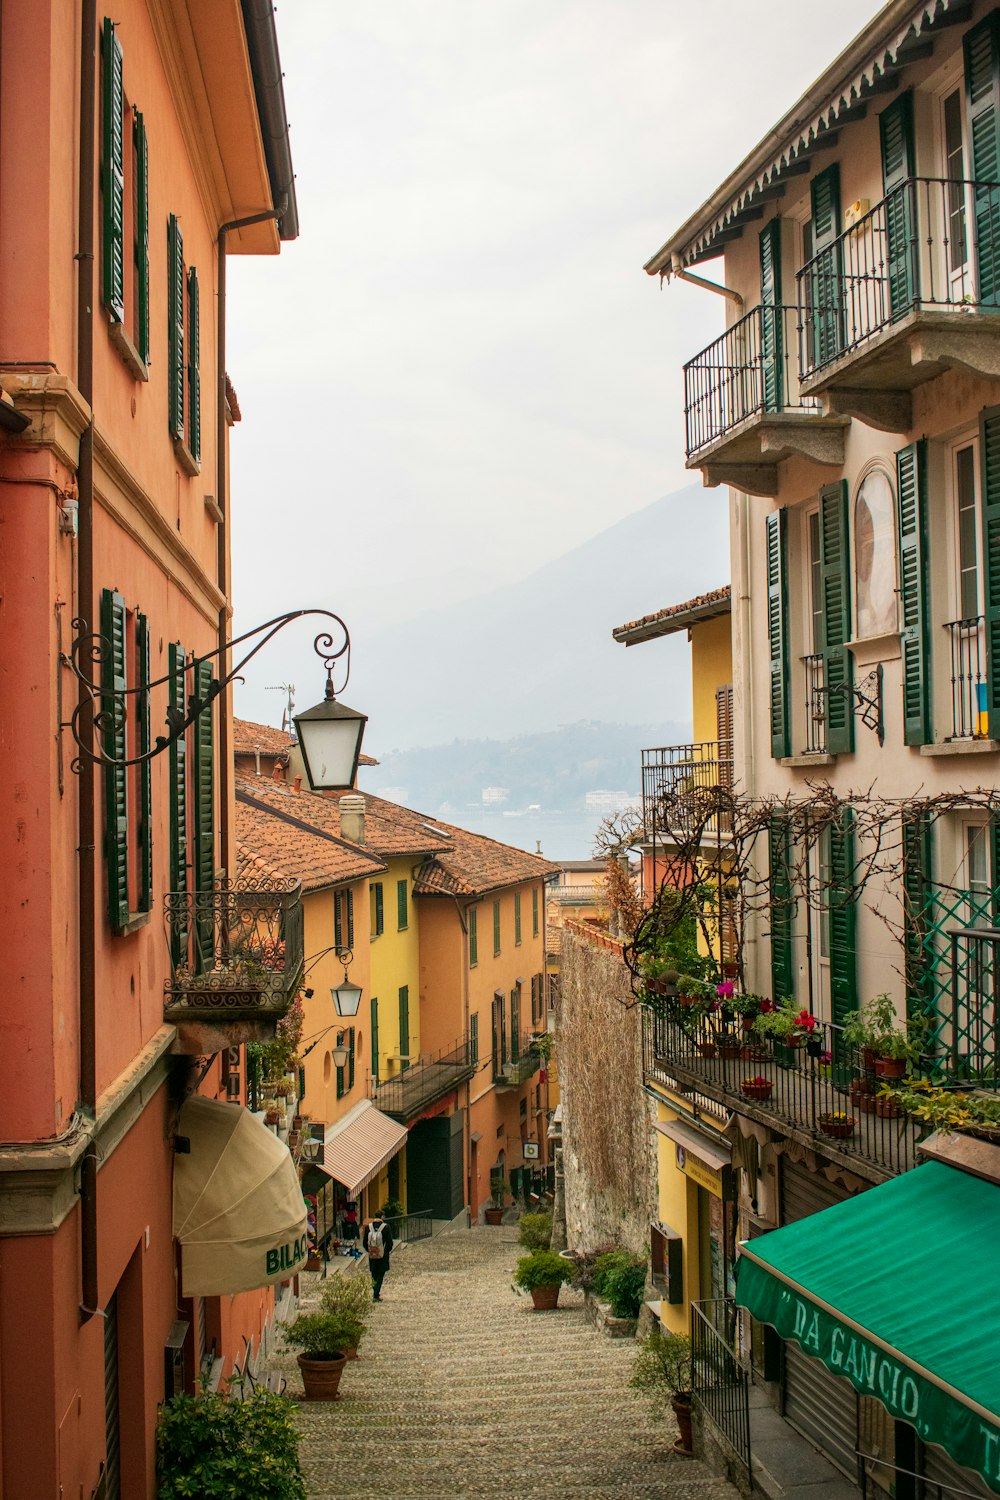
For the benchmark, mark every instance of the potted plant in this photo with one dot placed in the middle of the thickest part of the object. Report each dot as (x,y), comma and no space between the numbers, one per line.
(324,1338)
(837,1123)
(757,1087)
(352,1295)
(542,1273)
(663,1367)
(535,1231)
(499,1187)
(273,1115)
(886,1047)
(215,1443)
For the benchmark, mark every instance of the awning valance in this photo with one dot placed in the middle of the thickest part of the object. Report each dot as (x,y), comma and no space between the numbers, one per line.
(895,1290)
(238,1208)
(714,1151)
(358,1146)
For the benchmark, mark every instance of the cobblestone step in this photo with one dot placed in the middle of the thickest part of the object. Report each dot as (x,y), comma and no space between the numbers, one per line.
(463,1390)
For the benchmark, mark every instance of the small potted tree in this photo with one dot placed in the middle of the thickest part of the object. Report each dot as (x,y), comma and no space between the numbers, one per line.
(324,1338)
(499,1187)
(349,1294)
(542,1273)
(663,1368)
(885,1046)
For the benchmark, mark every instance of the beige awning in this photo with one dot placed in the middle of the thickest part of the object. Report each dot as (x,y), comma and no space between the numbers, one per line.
(714,1151)
(358,1146)
(238,1208)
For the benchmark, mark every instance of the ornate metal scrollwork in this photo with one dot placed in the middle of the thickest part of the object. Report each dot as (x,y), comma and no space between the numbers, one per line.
(865,700)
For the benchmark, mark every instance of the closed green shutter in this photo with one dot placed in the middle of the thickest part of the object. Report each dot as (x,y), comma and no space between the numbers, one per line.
(177,753)
(404,1025)
(896,135)
(112,174)
(911,515)
(402,915)
(777,614)
(175,326)
(204,809)
(474,1038)
(917,878)
(114,680)
(782,907)
(141,237)
(341,1039)
(473,937)
(835,582)
(338,922)
(496,928)
(771,352)
(350,1058)
(373,1037)
(379,909)
(982,92)
(842,897)
(144,770)
(517,916)
(515,1023)
(350,919)
(193,371)
(826,289)
(534,911)
(989,458)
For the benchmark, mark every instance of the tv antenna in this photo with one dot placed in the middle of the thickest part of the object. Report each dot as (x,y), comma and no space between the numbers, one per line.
(286,714)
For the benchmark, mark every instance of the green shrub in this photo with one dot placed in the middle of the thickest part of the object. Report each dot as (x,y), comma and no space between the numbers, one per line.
(350,1294)
(542,1268)
(326,1334)
(536,1231)
(216,1446)
(624,1286)
(606,1265)
(662,1366)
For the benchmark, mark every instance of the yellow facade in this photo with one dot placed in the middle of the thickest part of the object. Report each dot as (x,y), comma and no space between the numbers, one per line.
(711,669)
(322,1026)
(394,983)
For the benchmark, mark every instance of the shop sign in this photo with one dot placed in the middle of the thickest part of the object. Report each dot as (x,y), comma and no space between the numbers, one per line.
(705,1176)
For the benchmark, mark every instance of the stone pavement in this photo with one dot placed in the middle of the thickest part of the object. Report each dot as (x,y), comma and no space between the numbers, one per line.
(463,1390)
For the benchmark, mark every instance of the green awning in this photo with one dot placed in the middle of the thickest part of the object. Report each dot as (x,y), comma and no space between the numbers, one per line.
(897,1290)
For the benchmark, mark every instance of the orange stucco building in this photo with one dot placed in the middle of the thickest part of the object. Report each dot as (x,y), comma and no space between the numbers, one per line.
(128,143)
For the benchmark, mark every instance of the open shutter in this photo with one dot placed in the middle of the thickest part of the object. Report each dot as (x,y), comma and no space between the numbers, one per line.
(112,174)
(404,1025)
(194,372)
(896,135)
(841,897)
(115,682)
(770,315)
(175,326)
(982,92)
(917,878)
(835,582)
(989,458)
(826,290)
(144,768)
(779,853)
(777,615)
(176,660)
(141,238)
(204,810)
(911,508)
(515,1023)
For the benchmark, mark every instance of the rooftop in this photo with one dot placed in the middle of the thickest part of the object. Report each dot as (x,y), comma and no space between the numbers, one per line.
(249,737)
(475,864)
(676,617)
(271,840)
(390,830)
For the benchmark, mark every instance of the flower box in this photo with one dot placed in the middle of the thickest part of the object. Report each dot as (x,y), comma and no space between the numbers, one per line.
(889,1109)
(837,1125)
(756,1088)
(706,1049)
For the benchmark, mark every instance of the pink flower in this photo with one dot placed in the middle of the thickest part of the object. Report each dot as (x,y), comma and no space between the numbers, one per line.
(805,1021)
(766,1007)
(725,989)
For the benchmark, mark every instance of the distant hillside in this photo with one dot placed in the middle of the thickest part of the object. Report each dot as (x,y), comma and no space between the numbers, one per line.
(538,653)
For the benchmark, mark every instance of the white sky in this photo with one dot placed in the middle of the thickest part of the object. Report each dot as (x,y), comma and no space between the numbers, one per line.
(460,370)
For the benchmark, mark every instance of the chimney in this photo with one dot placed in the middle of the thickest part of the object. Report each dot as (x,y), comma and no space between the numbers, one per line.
(352,818)
(298,785)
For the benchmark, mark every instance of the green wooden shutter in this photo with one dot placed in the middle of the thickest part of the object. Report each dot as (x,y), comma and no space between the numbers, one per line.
(896,135)
(141,237)
(517,916)
(835,581)
(826,290)
(112,174)
(175,326)
(341,1072)
(914,578)
(917,890)
(350,1058)
(204,808)
(350,919)
(115,681)
(404,1024)
(782,908)
(982,91)
(989,459)
(515,1023)
(379,909)
(145,787)
(402,916)
(841,897)
(373,1036)
(771,352)
(473,936)
(338,921)
(777,615)
(193,370)
(176,661)
(534,911)
(474,1038)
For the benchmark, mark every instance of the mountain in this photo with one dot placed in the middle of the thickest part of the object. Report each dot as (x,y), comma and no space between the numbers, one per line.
(538,653)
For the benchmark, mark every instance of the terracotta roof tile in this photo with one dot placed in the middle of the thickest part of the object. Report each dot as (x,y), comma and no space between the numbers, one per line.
(476,864)
(389,829)
(249,737)
(272,840)
(676,617)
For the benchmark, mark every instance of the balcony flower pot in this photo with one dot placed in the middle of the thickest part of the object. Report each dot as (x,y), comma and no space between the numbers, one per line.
(838,1125)
(730,1047)
(860,1086)
(756,1088)
(706,1049)
(888,1108)
(890,1067)
(866,1103)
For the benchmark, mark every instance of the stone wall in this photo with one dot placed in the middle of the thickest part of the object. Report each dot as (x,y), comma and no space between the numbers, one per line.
(609,1156)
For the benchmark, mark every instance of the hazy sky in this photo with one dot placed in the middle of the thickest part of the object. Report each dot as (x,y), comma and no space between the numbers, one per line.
(460,369)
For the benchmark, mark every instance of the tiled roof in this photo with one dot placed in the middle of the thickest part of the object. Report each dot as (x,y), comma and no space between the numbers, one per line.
(249,737)
(271,840)
(389,830)
(476,864)
(676,617)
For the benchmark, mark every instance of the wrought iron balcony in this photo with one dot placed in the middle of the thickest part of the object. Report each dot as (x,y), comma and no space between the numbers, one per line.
(511,1072)
(677,783)
(430,1078)
(967,640)
(237,952)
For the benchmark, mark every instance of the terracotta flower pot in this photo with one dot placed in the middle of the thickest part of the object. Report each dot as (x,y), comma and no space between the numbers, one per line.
(889,1109)
(682,1411)
(756,1090)
(838,1129)
(730,1049)
(545,1298)
(861,1086)
(494,1216)
(890,1067)
(321,1377)
(706,1049)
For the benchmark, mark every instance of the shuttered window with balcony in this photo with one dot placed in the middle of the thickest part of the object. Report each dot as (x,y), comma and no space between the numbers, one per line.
(404,1026)
(982,92)
(204,807)
(911,516)
(128,839)
(825,287)
(770,318)
(836,616)
(777,617)
(896,137)
(780,884)
(177,660)
(989,458)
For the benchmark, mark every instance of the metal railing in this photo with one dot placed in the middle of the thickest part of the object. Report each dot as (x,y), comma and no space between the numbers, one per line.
(927,1489)
(967,640)
(434,1075)
(968,1040)
(409,1227)
(720,1381)
(815,726)
(746,372)
(930,243)
(577,895)
(511,1072)
(237,951)
(676,780)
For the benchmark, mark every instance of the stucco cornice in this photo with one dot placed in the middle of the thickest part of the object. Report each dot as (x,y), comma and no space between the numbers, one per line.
(58,412)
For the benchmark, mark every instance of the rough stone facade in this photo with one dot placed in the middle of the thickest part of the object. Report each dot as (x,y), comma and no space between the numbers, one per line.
(609,1156)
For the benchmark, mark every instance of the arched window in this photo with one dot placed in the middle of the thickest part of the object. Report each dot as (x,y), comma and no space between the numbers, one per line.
(875,555)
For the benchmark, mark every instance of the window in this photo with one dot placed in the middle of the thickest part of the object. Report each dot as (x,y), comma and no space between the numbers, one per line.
(373,1022)
(377,908)
(969,596)
(815,585)
(404,1027)
(473,938)
(402,913)
(534,911)
(954,171)
(345,1075)
(967,632)
(183,352)
(978,885)
(496,928)
(875,555)
(515,1023)
(128,810)
(343,920)
(474,1038)
(124,212)
(517,919)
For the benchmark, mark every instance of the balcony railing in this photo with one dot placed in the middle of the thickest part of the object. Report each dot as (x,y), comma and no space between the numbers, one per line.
(931,243)
(720,1380)
(745,373)
(511,1072)
(433,1076)
(238,951)
(967,639)
(815,726)
(677,780)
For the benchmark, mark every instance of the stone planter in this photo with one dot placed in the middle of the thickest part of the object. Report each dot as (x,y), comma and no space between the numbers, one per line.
(604,1320)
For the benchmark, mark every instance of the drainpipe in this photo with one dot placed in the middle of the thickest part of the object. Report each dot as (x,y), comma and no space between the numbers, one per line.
(85,603)
(677,269)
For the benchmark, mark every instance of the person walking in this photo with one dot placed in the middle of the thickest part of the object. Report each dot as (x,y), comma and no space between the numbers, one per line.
(378,1242)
